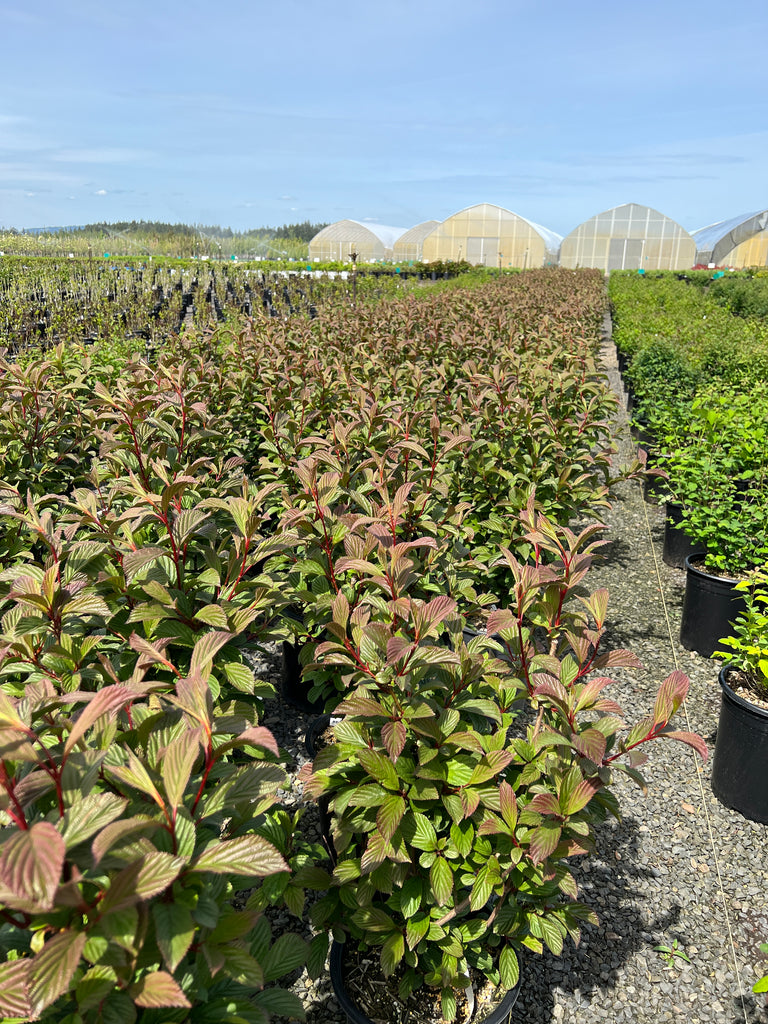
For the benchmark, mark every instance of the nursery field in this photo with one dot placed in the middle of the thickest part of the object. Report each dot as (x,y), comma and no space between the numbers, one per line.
(417,508)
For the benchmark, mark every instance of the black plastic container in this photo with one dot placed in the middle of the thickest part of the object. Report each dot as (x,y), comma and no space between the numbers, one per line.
(677,544)
(314,732)
(710,605)
(293,687)
(740,764)
(499,1015)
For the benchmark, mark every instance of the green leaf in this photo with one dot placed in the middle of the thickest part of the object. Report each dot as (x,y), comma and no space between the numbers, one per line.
(120,830)
(462,836)
(134,561)
(89,815)
(174,930)
(118,1009)
(281,1003)
(106,702)
(392,953)
(239,676)
(509,967)
(157,990)
(121,926)
(136,775)
(416,928)
(421,832)
(544,840)
(178,761)
(411,896)
(288,953)
(146,877)
(482,887)
(95,985)
(205,650)
(390,815)
(448,1004)
(212,615)
(31,863)
(441,881)
(246,855)
(53,969)
(379,768)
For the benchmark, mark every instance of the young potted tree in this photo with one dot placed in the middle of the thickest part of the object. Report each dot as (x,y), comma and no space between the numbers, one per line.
(462,778)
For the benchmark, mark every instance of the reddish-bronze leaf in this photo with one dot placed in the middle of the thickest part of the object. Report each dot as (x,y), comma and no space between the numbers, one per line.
(157,990)
(31,862)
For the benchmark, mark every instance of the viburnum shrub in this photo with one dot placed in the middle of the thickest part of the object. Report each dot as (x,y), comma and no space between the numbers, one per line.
(45,438)
(131,822)
(749,644)
(462,777)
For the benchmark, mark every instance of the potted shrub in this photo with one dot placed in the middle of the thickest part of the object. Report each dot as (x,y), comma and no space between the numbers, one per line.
(739,776)
(463,777)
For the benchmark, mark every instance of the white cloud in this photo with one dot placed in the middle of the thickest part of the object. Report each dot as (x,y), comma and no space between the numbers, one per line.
(100,192)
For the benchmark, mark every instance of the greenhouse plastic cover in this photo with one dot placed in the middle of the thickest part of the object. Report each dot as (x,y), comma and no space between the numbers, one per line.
(386,235)
(552,240)
(733,231)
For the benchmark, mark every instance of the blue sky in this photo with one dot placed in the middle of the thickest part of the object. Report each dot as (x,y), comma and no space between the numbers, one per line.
(245,114)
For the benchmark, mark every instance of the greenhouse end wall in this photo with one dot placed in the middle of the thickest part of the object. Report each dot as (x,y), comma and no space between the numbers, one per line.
(629,237)
(488,235)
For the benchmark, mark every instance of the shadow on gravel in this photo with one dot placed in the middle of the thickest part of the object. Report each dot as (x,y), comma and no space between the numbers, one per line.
(616,552)
(617,888)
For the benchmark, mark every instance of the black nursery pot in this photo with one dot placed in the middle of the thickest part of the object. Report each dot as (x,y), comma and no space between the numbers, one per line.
(293,687)
(677,544)
(710,605)
(499,1015)
(316,728)
(740,763)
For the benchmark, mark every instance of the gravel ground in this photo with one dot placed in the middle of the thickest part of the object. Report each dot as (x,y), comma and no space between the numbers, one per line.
(678,866)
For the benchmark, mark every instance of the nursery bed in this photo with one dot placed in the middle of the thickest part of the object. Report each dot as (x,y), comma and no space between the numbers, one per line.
(678,867)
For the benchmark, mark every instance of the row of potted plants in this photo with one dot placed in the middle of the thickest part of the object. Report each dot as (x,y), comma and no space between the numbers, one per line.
(702,401)
(707,439)
(160,521)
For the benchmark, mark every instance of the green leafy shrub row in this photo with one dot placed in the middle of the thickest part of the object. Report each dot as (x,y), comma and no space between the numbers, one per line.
(699,378)
(360,471)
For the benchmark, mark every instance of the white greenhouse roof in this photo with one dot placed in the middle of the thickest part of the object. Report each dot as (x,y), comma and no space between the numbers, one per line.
(386,235)
(742,227)
(552,240)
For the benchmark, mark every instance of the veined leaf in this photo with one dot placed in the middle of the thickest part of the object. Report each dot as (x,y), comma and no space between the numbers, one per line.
(119,830)
(53,968)
(287,954)
(106,702)
(390,815)
(174,929)
(205,650)
(31,863)
(379,768)
(392,953)
(157,990)
(141,880)
(87,816)
(178,761)
(441,881)
(134,561)
(14,988)
(245,855)
(544,840)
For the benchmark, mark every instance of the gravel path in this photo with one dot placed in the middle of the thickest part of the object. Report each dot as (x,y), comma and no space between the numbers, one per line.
(679,865)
